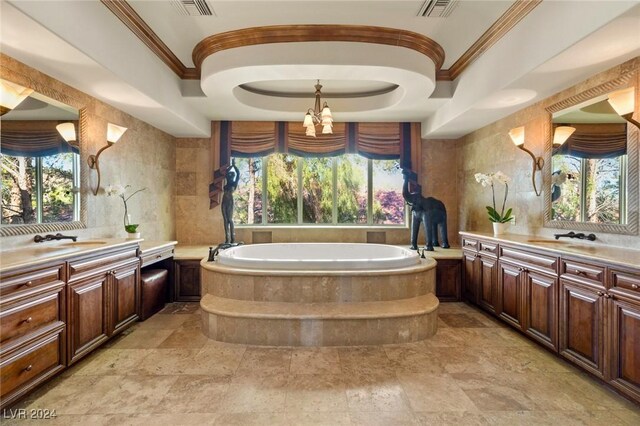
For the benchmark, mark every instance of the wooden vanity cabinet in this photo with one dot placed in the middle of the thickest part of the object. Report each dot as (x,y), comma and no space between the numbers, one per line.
(448,280)
(480,273)
(187,281)
(104,298)
(32,328)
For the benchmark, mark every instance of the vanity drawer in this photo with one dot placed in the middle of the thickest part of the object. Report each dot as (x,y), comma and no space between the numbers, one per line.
(488,248)
(14,286)
(22,370)
(31,315)
(627,281)
(90,265)
(158,256)
(470,244)
(582,271)
(533,260)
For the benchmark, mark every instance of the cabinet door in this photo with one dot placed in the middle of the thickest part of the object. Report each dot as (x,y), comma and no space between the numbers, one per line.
(87,315)
(126,297)
(448,280)
(582,326)
(509,303)
(487,283)
(187,280)
(625,344)
(471,261)
(541,308)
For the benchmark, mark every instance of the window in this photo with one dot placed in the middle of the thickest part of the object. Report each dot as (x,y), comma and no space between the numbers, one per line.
(345,190)
(593,190)
(40,189)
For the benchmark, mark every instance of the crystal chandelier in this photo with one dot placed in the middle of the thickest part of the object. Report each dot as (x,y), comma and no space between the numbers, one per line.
(318,117)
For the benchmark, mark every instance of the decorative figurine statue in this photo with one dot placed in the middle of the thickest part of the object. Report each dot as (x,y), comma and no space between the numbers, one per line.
(232,177)
(429,211)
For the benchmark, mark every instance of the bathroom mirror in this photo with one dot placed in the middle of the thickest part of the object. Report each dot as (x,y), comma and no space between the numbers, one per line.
(40,170)
(592,176)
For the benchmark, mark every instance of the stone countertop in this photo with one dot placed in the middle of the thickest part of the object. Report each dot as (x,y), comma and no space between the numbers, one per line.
(58,250)
(187,252)
(151,245)
(572,247)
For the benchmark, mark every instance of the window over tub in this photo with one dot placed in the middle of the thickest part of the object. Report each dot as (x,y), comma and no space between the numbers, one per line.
(353,177)
(344,190)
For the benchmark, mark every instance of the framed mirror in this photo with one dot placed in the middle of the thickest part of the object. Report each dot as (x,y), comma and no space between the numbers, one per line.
(41,171)
(592,182)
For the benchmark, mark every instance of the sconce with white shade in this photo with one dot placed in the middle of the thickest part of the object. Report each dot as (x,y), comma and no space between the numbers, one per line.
(68,132)
(517,136)
(623,102)
(561,134)
(114,133)
(11,95)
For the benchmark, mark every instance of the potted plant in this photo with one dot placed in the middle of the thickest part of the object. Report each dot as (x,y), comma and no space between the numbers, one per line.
(120,191)
(502,219)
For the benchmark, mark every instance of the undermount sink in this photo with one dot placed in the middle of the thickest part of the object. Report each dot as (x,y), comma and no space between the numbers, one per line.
(84,243)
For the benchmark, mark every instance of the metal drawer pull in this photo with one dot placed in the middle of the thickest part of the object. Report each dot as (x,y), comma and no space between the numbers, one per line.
(583,273)
(28,284)
(600,293)
(158,256)
(28,367)
(608,296)
(487,249)
(634,286)
(28,320)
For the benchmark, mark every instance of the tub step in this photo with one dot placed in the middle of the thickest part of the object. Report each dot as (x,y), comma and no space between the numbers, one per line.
(319,324)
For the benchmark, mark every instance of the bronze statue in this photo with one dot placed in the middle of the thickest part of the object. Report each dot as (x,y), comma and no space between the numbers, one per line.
(232,177)
(429,211)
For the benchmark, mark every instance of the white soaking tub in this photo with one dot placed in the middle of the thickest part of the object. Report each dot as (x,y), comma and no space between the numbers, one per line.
(318,256)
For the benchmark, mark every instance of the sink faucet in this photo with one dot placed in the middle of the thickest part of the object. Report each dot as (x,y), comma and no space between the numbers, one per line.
(49,237)
(580,236)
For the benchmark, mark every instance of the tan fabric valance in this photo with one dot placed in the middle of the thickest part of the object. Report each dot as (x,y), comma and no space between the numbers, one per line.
(33,138)
(602,140)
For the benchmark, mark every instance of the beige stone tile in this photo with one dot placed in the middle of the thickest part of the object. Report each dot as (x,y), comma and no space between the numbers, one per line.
(375,393)
(194,394)
(72,395)
(185,338)
(265,394)
(434,392)
(141,339)
(629,417)
(162,362)
(519,359)
(163,322)
(181,308)
(252,418)
(320,360)
(265,360)
(363,360)
(186,419)
(374,418)
(324,392)
(413,357)
(107,362)
(129,394)
(304,418)
(446,418)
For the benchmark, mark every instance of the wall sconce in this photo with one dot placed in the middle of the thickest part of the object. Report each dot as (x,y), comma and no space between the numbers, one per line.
(68,132)
(623,102)
(517,136)
(11,95)
(114,133)
(561,134)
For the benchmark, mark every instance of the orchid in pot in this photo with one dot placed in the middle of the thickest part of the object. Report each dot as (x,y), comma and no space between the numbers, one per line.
(500,219)
(121,191)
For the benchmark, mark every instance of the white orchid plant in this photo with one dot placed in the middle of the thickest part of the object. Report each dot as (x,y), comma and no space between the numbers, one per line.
(490,179)
(120,191)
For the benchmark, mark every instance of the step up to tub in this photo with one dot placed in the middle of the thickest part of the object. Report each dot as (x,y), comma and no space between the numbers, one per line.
(319,324)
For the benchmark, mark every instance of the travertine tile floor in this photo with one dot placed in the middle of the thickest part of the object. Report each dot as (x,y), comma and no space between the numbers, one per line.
(474,371)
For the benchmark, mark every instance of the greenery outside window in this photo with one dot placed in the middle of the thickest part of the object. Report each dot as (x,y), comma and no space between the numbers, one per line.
(594,190)
(283,189)
(40,189)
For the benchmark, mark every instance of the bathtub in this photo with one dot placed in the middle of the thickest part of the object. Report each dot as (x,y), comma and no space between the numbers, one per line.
(318,256)
(318,294)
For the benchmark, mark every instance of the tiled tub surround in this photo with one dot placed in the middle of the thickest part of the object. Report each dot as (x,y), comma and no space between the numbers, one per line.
(319,308)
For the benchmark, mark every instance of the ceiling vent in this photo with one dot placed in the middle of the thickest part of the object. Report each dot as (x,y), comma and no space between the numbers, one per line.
(437,8)
(193,7)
